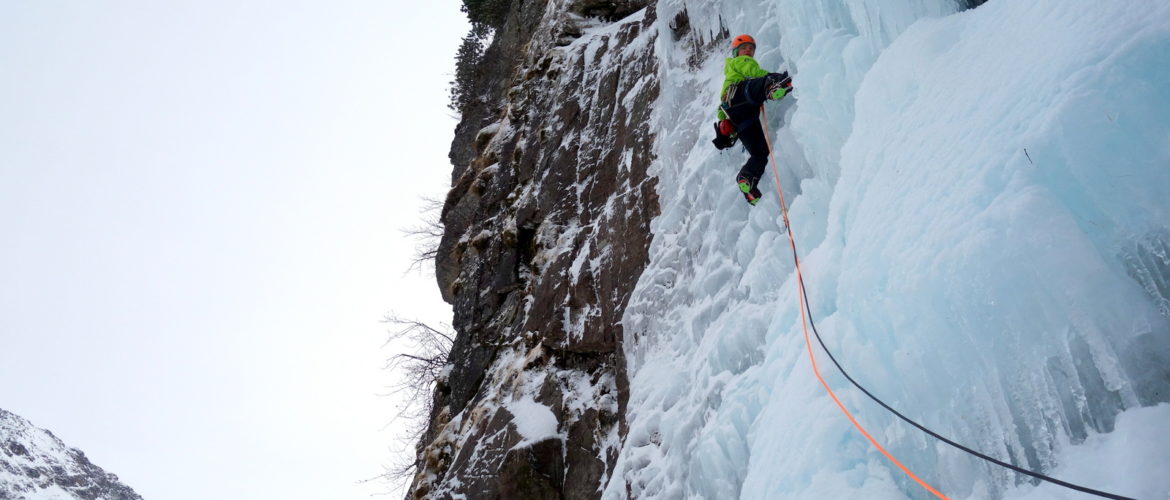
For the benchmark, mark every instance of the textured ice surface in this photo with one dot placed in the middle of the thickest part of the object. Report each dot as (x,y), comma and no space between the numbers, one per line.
(979,201)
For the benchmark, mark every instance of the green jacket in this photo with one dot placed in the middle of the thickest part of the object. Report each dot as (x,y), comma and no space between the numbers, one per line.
(735,70)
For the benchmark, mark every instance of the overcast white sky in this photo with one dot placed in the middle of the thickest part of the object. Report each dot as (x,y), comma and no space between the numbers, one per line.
(200,204)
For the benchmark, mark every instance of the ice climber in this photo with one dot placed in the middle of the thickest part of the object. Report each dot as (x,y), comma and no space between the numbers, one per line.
(745,88)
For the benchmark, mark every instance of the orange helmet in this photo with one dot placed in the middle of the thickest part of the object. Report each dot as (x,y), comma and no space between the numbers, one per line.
(740,40)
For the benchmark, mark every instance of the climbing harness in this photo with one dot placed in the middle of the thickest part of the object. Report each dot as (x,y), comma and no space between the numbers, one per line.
(802,294)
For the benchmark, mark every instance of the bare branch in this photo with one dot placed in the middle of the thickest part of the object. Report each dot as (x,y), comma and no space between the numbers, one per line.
(421,368)
(427,234)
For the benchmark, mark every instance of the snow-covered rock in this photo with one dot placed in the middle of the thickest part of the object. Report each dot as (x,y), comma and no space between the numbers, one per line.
(35,465)
(545,230)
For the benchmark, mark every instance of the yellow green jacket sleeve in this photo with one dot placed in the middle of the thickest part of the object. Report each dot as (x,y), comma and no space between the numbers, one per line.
(735,70)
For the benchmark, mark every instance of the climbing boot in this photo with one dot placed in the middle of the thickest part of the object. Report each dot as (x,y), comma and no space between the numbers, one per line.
(748,186)
(779,85)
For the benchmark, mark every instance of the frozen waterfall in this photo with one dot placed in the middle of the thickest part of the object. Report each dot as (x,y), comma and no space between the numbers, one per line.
(979,200)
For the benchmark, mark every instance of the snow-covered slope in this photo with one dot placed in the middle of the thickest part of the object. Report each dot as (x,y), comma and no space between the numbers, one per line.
(979,199)
(34,464)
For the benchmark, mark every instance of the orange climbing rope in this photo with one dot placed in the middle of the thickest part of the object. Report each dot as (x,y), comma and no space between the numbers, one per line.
(804,322)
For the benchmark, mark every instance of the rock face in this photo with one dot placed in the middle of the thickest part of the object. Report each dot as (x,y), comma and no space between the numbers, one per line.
(35,464)
(546,231)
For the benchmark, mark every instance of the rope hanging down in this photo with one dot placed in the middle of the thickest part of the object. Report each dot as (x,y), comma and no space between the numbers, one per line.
(806,309)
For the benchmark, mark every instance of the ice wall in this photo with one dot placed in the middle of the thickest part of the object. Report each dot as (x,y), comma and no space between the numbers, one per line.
(979,200)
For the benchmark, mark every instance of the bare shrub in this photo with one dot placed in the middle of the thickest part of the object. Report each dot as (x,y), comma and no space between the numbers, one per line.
(427,234)
(419,368)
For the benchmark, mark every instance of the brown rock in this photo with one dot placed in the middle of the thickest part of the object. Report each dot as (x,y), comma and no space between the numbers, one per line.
(546,231)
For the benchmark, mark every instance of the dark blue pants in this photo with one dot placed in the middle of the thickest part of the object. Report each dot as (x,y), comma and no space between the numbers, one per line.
(745,113)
